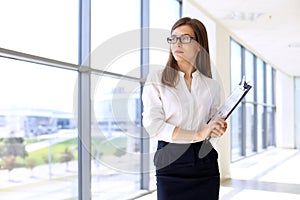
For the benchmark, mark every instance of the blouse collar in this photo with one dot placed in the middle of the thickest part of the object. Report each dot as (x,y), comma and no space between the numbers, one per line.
(194,74)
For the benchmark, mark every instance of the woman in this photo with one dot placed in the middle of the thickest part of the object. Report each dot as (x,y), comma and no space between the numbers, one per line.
(178,102)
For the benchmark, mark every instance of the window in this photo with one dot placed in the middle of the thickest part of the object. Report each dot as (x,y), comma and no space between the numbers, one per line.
(43,28)
(115,36)
(43,105)
(252,124)
(260,100)
(116,102)
(250,133)
(34,100)
(120,60)
(236,75)
(160,29)
(270,110)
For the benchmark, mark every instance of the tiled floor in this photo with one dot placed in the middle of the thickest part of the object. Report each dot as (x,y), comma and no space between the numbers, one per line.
(270,175)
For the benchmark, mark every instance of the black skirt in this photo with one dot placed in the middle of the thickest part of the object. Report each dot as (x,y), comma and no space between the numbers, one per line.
(182,175)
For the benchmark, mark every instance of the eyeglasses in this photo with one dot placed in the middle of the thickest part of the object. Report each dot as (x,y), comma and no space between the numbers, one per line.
(184,39)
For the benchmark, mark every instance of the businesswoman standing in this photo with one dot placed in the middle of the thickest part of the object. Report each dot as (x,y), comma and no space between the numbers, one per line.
(178,102)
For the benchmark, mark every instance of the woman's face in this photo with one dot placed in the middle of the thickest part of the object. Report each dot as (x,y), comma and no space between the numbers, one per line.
(184,52)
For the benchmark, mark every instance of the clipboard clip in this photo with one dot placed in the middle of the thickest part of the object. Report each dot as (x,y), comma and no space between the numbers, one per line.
(244,85)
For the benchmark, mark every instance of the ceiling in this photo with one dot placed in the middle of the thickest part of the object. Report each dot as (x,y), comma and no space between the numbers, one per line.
(270,28)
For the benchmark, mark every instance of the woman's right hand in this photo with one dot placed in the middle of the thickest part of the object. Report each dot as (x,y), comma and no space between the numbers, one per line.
(215,128)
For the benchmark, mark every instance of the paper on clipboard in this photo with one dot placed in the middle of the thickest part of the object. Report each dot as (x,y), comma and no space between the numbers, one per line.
(226,109)
(233,100)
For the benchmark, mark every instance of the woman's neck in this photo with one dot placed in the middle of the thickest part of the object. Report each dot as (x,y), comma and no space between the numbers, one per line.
(187,69)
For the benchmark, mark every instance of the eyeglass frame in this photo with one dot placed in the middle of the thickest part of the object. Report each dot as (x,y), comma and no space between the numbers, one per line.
(179,38)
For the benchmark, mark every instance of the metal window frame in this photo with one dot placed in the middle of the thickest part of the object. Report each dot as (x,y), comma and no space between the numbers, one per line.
(265,135)
(145,142)
(255,104)
(84,93)
(243,110)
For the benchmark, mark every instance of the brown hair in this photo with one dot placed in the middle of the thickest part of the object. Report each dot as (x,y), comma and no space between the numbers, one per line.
(170,75)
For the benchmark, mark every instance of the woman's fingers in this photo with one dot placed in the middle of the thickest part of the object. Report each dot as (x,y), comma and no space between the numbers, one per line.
(218,127)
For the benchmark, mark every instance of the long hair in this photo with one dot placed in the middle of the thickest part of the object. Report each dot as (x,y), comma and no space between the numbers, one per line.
(170,73)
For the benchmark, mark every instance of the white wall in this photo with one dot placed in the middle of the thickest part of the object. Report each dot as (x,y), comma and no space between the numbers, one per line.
(285,111)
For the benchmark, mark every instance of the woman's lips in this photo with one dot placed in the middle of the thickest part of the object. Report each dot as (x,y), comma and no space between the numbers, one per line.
(178,52)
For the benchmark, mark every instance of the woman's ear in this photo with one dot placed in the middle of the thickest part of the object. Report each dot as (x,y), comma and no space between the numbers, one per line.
(198,49)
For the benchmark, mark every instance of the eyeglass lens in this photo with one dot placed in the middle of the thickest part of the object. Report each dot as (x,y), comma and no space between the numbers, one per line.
(183,39)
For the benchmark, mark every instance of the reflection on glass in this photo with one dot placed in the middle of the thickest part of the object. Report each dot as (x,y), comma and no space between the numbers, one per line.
(38,135)
(116,136)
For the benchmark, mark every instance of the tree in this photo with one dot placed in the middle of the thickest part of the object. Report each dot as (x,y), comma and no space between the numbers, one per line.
(9,163)
(30,163)
(13,146)
(66,157)
(9,149)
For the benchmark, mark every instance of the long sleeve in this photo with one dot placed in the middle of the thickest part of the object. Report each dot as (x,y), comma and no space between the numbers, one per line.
(154,116)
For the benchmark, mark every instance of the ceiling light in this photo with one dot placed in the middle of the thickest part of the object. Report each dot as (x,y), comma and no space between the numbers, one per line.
(294,45)
(244,16)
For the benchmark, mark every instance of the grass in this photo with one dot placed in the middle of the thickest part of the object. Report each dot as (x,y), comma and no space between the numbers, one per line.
(41,155)
(104,147)
(108,147)
(31,141)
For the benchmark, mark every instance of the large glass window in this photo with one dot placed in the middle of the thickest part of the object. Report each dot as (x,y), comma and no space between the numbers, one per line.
(249,106)
(236,128)
(38,135)
(46,134)
(270,110)
(115,138)
(115,36)
(260,90)
(160,28)
(115,43)
(253,123)
(47,28)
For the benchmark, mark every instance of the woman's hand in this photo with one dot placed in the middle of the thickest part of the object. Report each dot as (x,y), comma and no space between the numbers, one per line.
(215,128)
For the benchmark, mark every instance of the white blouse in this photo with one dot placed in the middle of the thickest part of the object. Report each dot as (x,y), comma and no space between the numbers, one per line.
(166,107)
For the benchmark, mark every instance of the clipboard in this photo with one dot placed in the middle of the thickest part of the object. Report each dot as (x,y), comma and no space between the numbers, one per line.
(226,109)
(233,100)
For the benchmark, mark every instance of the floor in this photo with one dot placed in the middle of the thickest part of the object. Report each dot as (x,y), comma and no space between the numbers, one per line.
(273,174)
